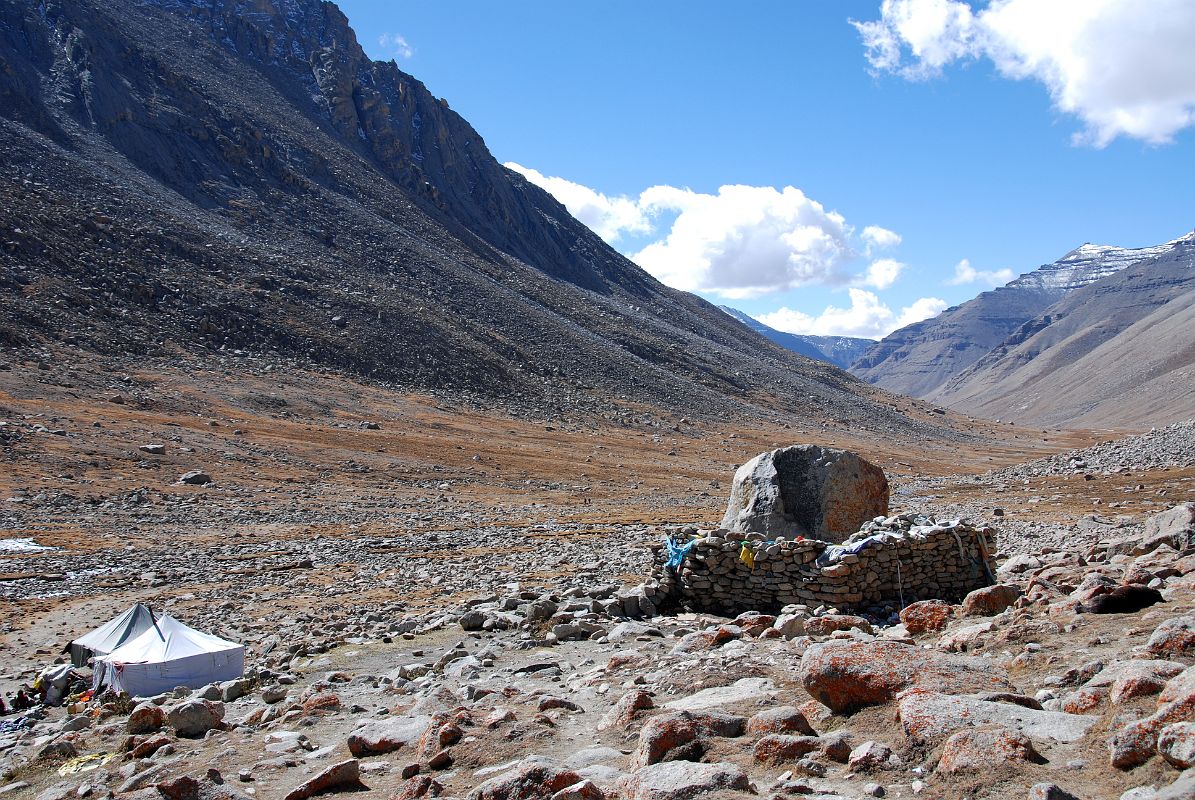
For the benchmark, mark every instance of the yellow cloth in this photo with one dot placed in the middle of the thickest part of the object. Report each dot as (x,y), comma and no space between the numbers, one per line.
(746,556)
(85,763)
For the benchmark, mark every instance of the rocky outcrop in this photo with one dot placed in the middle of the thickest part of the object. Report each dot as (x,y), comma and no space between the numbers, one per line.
(806,491)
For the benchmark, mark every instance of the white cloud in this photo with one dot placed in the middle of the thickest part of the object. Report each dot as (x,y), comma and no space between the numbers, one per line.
(965,273)
(1124,67)
(608,217)
(395,46)
(879,238)
(745,241)
(867,317)
(882,273)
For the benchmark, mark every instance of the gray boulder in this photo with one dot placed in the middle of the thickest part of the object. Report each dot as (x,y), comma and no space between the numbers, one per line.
(806,490)
(194,718)
(681,780)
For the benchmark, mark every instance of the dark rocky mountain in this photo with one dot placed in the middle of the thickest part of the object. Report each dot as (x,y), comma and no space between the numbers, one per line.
(188,176)
(1119,351)
(841,351)
(920,358)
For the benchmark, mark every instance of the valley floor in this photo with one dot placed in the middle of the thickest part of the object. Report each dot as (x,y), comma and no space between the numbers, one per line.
(346,527)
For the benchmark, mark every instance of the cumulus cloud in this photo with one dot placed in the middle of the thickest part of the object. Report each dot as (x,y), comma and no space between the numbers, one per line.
(608,217)
(745,241)
(395,46)
(867,317)
(1123,67)
(882,273)
(878,238)
(964,273)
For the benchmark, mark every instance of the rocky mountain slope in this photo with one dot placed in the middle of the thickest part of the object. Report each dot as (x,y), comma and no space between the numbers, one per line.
(921,358)
(1118,351)
(841,351)
(189,176)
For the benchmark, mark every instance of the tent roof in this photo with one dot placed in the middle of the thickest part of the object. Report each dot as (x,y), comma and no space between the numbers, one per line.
(169,641)
(115,632)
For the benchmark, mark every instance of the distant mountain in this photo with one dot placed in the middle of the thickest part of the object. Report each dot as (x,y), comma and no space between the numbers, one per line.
(190,176)
(920,358)
(1119,351)
(840,351)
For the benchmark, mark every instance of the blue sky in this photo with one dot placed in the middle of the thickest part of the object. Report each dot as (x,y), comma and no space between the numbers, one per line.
(1002,134)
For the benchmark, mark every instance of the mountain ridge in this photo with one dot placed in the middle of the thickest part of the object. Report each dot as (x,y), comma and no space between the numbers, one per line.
(214,175)
(920,358)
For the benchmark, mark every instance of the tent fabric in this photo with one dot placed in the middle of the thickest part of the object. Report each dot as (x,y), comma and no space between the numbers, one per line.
(111,635)
(167,656)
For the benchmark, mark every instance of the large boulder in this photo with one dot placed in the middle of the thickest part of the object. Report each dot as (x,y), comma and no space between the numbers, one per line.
(846,675)
(194,718)
(974,751)
(806,490)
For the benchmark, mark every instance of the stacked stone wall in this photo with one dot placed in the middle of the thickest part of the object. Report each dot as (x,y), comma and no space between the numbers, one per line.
(905,563)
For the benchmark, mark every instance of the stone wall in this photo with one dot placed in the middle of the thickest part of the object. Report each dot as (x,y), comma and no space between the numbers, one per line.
(905,558)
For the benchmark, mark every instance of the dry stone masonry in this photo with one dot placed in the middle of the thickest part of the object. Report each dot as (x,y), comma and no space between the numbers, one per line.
(901,558)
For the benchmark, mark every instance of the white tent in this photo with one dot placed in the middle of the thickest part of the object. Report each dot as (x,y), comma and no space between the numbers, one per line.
(169,655)
(111,635)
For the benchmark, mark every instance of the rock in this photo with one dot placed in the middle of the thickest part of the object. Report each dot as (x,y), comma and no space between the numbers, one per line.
(195,478)
(388,736)
(274,693)
(625,631)
(926,616)
(825,625)
(990,600)
(473,620)
(1183,788)
(782,719)
(532,778)
(192,719)
(871,756)
(58,750)
(741,691)
(928,717)
(418,786)
(791,625)
(153,449)
(968,637)
(682,780)
(846,675)
(145,718)
(1174,637)
(806,490)
(778,748)
(547,703)
(1049,791)
(624,711)
(1174,528)
(342,776)
(678,735)
(584,790)
(1176,744)
(976,750)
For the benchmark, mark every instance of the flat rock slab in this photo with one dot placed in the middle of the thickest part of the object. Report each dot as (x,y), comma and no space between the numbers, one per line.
(846,676)
(682,780)
(929,717)
(343,776)
(743,690)
(387,736)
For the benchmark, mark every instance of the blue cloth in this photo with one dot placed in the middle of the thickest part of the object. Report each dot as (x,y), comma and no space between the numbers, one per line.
(676,553)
